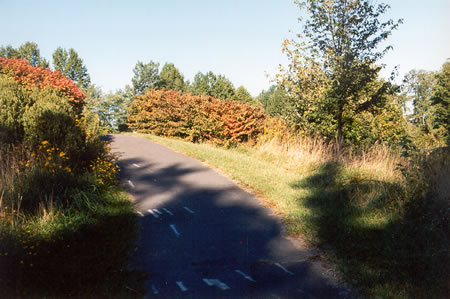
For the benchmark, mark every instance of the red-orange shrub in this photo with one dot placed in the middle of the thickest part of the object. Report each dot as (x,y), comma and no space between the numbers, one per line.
(195,118)
(30,76)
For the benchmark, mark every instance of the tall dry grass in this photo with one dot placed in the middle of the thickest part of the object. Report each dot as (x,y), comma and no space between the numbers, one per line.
(378,162)
(11,163)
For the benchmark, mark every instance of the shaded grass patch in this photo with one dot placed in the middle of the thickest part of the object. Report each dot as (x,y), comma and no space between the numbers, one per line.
(81,251)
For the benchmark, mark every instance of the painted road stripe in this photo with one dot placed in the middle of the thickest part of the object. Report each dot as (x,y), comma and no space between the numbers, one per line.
(153,213)
(172,226)
(189,210)
(135,165)
(155,290)
(140,214)
(283,268)
(182,287)
(167,211)
(215,282)
(244,275)
(156,211)
(131,184)
(208,281)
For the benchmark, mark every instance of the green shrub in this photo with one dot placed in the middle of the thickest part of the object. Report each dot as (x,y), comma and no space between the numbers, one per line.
(51,119)
(57,193)
(31,117)
(13,103)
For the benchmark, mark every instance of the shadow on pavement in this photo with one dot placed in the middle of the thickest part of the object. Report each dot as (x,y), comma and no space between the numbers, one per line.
(198,225)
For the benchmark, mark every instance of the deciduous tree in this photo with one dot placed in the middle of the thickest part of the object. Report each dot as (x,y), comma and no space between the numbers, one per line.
(146,76)
(210,84)
(419,87)
(275,101)
(170,78)
(72,66)
(28,51)
(441,100)
(242,95)
(338,55)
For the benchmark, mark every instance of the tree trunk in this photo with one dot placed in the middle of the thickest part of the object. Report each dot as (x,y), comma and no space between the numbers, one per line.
(339,125)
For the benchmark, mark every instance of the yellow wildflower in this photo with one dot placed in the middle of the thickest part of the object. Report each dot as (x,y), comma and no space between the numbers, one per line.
(44,142)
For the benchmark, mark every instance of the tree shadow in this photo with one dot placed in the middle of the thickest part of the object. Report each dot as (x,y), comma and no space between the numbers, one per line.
(373,255)
(86,259)
(197,225)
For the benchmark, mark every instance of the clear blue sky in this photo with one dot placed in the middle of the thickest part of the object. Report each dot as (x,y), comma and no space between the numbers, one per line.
(240,39)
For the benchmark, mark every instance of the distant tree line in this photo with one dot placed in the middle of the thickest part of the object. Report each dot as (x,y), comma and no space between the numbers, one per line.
(330,88)
(148,76)
(111,108)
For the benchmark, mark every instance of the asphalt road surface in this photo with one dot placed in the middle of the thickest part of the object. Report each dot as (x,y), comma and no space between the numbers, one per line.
(202,236)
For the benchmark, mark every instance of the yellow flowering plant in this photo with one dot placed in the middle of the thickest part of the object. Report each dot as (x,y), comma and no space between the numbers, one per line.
(50,158)
(105,168)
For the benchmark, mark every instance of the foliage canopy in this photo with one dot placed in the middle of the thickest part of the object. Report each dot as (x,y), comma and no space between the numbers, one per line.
(333,68)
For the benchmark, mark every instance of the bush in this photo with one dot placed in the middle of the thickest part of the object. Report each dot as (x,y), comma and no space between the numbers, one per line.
(195,118)
(50,119)
(38,104)
(13,103)
(57,193)
(30,77)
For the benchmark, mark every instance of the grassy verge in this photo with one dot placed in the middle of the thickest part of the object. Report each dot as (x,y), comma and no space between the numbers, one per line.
(81,251)
(63,232)
(384,231)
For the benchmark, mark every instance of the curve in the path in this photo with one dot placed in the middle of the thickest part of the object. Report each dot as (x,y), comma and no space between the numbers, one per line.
(202,236)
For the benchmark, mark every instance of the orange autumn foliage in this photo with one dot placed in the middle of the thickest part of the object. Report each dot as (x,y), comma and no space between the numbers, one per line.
(31,77)
(196,118)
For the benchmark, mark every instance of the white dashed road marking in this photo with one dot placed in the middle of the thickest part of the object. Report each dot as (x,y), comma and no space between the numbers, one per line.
(208,282)
(167,211)
(153,213)
(244,275)
(135,165)
(182,287)
(215,282)
(283,268)
(156,211)
(172,226)
(131,184)
(155,290)
(140,214)
(189,210)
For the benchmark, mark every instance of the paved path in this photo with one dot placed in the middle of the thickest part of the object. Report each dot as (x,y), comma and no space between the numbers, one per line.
(202,236)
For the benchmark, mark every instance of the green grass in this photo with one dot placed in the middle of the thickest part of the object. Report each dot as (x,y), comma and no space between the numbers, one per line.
(63,232)
(384,236)
(265,178)
(81,251)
